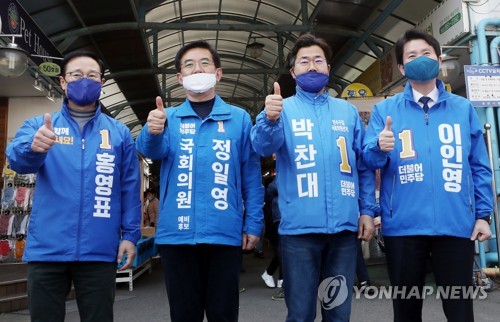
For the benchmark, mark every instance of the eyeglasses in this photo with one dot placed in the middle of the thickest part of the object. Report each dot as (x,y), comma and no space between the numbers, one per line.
(190,65)
(76,75)
(318,61)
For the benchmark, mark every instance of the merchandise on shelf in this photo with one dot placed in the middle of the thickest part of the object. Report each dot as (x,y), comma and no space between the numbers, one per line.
(16,201)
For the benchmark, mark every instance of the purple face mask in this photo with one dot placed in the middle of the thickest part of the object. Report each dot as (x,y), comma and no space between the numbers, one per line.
(312,82)
(84,91)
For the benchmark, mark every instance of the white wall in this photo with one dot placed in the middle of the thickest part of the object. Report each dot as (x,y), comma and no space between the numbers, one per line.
(23,108)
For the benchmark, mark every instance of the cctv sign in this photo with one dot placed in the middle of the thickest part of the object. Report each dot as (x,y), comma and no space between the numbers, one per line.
(483,85)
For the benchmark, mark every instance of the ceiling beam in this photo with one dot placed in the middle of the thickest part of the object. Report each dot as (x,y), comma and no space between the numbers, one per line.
(172,71)
(85,31)
(284,30)
(365,35)
(226,55)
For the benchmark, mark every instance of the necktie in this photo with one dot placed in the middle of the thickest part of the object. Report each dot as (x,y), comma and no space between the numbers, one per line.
(424,100)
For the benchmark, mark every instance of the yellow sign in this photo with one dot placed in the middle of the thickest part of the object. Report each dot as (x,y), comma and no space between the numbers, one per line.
(50,69)
(371,77)
(356,90)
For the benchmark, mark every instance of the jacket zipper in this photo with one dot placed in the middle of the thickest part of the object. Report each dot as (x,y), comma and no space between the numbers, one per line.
(469,194)
(431,174)
(318,115)
(82,187)
(81,202)
(392,193)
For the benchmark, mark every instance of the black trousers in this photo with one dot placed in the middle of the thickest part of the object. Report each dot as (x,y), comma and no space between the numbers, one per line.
(275,243)
(361,270)
(49,284)
(202,279)
(452,260)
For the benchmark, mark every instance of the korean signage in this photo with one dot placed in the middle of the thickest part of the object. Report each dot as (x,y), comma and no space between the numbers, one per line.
(15,20)
(356,90)
(483,85)
(447,22)
(371,77)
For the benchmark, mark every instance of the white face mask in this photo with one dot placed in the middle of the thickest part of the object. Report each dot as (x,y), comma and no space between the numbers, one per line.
(199,82)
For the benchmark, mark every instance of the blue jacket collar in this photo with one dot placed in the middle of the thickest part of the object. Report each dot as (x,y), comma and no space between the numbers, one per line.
(65,109)
(220,111)
(443,94)
(313,98)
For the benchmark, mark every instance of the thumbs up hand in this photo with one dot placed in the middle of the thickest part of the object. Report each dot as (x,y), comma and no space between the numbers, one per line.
(386,137)
(274,104)
(44,138)
(157,118)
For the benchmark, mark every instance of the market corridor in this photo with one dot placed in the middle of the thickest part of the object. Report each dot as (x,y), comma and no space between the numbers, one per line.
(147,302)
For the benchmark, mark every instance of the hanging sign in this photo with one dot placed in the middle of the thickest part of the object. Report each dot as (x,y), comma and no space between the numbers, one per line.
(447,22)
(356,90)
(15,20)
(49,69)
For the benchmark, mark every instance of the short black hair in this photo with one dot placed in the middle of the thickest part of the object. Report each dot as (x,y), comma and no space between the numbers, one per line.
(80,53)
(415,34)
(309,40)
(196,44)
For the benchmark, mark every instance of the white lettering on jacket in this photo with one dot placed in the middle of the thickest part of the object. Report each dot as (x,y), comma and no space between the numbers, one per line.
(104,185)
(185,176)
(307,183)
(451,152)
(221,172)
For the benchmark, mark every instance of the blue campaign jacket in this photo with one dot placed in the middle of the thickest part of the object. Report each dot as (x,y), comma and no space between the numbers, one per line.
(437,180)
(87,194)
(211,184)
(323,185)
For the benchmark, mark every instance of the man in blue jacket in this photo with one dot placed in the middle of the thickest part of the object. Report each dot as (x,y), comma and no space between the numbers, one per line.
(86,199)
(323,185)
(436,193)
(211,190)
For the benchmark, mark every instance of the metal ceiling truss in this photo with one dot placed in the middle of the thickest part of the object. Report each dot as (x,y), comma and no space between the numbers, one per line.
(257,28)
(171,27)
(363,37)
(283,32)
